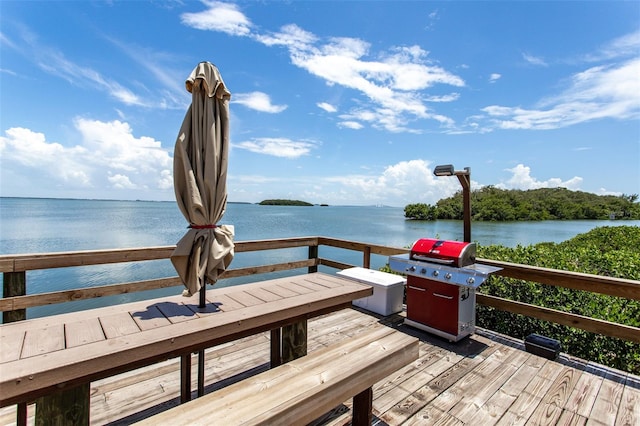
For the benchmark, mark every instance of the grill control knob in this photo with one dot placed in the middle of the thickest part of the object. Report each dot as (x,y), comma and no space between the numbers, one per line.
(412,268)
(471,280)
(435,273)
(423,271)
(448,276)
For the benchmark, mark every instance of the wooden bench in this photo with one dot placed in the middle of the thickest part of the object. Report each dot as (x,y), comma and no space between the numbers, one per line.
(304,389)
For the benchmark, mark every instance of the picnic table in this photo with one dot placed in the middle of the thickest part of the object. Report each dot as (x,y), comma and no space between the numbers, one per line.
(44,356)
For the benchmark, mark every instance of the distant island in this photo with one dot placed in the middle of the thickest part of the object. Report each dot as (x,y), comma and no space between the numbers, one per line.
(493,204)
(284,203)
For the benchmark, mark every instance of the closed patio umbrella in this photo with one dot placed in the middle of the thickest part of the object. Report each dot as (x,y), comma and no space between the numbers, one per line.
(200,182)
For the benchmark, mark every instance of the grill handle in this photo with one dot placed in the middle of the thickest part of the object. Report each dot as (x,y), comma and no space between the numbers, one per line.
(417,288)
(433,259)
(443,296)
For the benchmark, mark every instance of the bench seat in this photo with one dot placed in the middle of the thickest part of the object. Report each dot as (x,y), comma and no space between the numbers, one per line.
(304,389)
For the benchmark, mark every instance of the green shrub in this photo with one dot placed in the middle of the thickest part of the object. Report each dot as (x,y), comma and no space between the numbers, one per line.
(608,251)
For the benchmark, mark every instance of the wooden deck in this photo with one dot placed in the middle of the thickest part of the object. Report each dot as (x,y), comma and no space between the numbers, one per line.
(484,379)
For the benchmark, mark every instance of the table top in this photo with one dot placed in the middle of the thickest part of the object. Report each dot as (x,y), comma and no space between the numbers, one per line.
(82,346)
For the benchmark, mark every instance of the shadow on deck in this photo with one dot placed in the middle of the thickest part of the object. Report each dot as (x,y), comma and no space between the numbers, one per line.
(484,379)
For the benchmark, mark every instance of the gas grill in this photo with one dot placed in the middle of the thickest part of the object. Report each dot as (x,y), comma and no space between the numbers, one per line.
(442,278)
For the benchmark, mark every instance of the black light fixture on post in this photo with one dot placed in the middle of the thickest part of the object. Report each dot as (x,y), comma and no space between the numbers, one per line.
(464,176)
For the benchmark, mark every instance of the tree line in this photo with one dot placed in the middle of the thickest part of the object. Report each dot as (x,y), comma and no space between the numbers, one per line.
(280,202)
(494,204)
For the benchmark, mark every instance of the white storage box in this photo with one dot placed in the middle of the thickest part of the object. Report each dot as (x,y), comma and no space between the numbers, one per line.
(388,290)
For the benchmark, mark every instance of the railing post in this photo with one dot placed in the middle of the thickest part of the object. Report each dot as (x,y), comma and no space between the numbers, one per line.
(313,254)
(366,257)
(14,284)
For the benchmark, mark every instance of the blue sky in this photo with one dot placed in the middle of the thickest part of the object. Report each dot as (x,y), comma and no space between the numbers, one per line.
(350,103)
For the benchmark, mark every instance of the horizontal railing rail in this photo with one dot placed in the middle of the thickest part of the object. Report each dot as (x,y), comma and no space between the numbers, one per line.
(16,298)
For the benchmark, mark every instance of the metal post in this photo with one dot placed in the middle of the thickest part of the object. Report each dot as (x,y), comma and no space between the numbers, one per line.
(465,181)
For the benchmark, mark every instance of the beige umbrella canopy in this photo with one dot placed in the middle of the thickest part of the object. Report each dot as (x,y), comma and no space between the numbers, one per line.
(200,181)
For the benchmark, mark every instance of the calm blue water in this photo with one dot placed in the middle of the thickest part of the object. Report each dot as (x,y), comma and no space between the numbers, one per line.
(51,225)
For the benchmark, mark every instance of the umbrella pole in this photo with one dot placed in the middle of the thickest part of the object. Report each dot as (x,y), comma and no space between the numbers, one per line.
(203,303)
(203,295)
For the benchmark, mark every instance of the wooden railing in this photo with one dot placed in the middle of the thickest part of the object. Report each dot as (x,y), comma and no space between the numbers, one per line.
(16,298)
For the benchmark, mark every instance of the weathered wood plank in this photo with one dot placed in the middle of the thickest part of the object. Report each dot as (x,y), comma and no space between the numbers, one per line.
(32,261)
(176,312)
(629,411)
(584,394)
(83,332)
(119,324)
(549,410)
(311,285)
(323,280)
(225,303)
(11,346)
(611,286)
(569,418)
(593,325)
(435,388)
(282,291)
(605,407)
(526,403)
(96,312)
(42,341)
(245,298)
(264,294)
(49,298)
(296,288)
(149,318)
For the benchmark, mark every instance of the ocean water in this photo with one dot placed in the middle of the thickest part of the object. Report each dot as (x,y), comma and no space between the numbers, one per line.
(55,225)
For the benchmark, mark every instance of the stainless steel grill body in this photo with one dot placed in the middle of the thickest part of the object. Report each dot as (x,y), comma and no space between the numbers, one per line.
(441,299)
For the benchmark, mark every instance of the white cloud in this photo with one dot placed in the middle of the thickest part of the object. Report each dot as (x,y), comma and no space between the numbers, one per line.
(521,179)
(327,107)
(121,182)
(391,83)
(604,191)
(396,185)
(444,98)
(596,93)
(625,46)
(494,77)
(290,35)
(23,148)
(55,63)
(350,125)
(258,101)
(277,147)
(108,156)
(534,60)
(224,17)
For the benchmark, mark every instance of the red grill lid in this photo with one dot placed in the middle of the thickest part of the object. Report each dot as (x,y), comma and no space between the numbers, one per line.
(453,253)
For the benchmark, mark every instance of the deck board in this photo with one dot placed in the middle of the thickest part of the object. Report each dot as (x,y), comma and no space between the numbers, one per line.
(484,379)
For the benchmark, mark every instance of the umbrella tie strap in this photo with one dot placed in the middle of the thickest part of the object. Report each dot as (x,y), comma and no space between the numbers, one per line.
(203,226)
